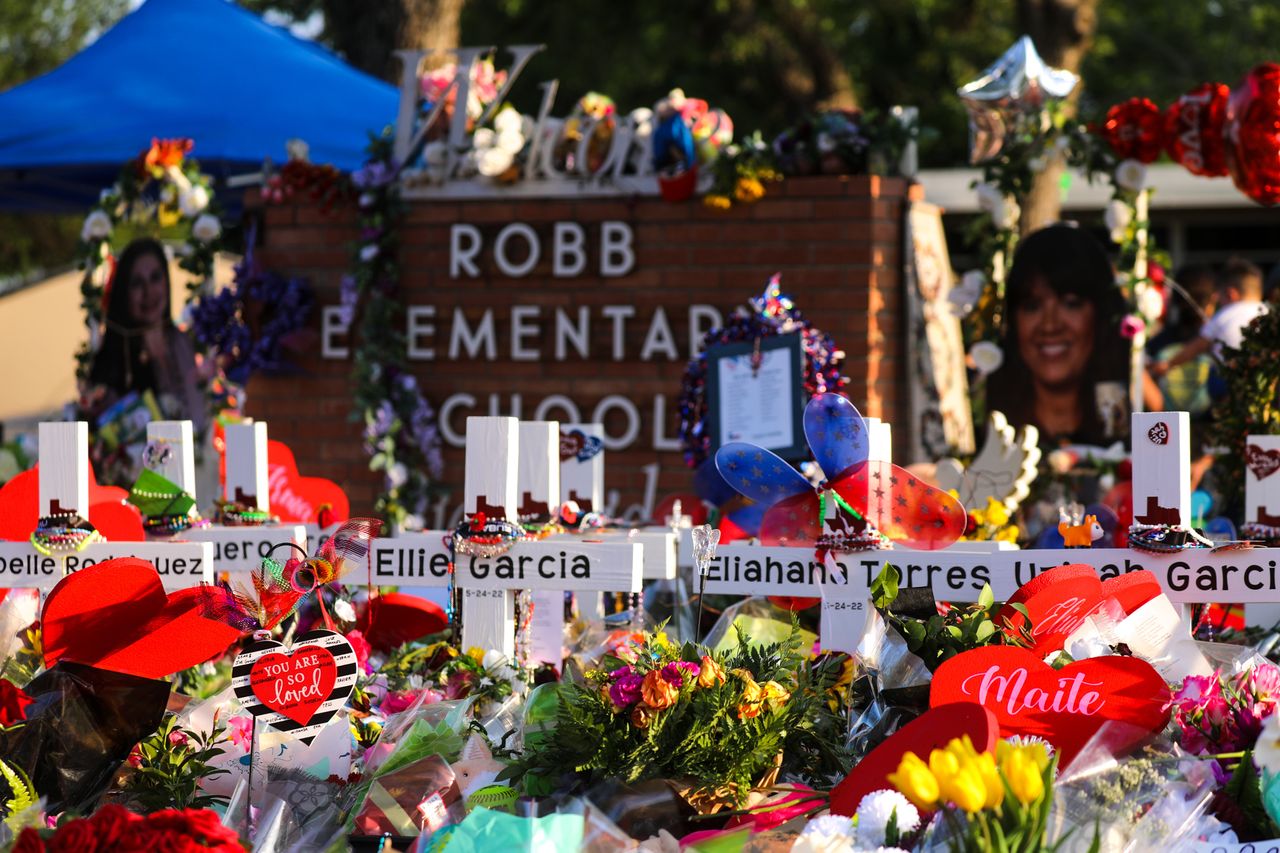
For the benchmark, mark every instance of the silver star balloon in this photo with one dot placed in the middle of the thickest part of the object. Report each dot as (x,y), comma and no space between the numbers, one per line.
(1011,91)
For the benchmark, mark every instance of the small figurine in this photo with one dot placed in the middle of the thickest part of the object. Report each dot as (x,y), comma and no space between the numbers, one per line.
(1079,535)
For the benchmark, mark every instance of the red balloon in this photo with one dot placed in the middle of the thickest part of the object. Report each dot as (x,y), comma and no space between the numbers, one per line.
(1193,130)
(1135,130)
(1252,132)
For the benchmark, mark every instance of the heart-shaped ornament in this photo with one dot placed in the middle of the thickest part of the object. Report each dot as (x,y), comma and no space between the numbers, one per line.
(1060,599)
(1159,434)
(298,498)
(1263,463)
(296,689)
(116,615)
(1064,706)
(933,729)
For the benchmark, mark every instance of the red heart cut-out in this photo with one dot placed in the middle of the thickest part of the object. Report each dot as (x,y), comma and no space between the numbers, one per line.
(297,498)
(395,618)
(116,520)
(116,615)
(1263,463)
(1064,706)
(1059,600)
(295,683)
(933,729)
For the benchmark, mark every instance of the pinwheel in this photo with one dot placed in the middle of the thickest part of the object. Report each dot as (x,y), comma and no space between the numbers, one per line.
(859,505)
(278,588)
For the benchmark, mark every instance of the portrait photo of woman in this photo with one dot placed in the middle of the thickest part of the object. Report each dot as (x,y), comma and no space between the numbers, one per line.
(1065,364)
(141,349)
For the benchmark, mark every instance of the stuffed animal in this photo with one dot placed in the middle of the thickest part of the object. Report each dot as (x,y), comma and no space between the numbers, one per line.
(1080,535)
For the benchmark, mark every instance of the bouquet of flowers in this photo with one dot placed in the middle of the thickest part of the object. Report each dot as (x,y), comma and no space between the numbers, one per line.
(713,724)
(989,802)
(1225,712)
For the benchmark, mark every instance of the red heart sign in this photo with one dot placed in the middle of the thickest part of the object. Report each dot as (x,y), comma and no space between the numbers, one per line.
(1065,707)
(571,444)
(294,684)
(1159,434)
(115,615)
(933,729)
(1059,600)
(297,498)
(116,520)
(1263,463)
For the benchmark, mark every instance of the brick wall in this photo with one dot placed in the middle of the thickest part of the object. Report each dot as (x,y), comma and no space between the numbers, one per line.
(836,241)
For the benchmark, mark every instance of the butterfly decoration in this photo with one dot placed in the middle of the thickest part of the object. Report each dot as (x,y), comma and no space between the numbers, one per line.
(860,504)
(278,588)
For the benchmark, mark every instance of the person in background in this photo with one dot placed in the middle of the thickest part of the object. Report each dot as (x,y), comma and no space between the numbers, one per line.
(1272,296)
(1186,388)
(142,350)
(1239,304)
(1065,363)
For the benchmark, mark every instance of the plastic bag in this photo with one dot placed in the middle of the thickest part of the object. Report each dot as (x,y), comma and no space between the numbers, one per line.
(80,728)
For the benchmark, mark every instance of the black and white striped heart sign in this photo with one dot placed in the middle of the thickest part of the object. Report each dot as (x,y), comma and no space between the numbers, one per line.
(296,689)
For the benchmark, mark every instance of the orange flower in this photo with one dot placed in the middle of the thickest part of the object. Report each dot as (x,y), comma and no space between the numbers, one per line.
(750,705)
(166,152)
(641,717)
(711,673)
(657,692)
(776,695)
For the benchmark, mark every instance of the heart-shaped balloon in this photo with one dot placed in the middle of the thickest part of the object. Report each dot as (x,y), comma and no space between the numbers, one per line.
(933,729)
(1252,132)
(1193,127)
(116,615)
(296,689)
(1064,706)
(1135,130)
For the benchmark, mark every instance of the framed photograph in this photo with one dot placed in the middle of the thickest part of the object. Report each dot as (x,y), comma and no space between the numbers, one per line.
(755,393)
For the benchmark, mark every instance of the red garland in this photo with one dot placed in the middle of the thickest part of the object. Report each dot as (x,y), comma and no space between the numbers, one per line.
(1135,130)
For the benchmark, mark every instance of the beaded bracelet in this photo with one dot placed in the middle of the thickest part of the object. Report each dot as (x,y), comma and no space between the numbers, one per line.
(1165,539)
(64,532)
(168,525)
(232,514)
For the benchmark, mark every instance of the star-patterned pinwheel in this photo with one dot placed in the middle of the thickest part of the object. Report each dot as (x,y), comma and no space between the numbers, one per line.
(860,502)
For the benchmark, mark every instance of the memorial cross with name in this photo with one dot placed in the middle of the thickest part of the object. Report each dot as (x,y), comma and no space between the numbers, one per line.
(1193,576)
(236,549)
(581,461)
(487,583)
(64,489)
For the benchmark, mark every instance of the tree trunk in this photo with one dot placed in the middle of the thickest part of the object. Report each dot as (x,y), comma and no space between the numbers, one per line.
(434,25)
(368,33)
(1063,32)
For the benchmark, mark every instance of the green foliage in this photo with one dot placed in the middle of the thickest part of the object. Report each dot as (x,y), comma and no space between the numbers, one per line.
(205,680)
(1244,791)
(1252,403)
(22,796)
(939,637)
(168,767)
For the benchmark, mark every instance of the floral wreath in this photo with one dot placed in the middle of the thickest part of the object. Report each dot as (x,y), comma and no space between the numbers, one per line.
(160,189)
(772,313)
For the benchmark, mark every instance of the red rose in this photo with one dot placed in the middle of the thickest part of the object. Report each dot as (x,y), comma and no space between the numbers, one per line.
(13,703)
(111,823)
(75,836)
(199,826)
(29,841)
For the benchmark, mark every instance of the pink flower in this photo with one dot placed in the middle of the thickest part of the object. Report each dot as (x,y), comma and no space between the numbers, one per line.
(1196,688)
(621,671)
(362,649)
(404,699)
(625,692)
(239,730)
(1132,326)
(459,684)
(177,737)
(675,672)
(1216,711)
(1266,681)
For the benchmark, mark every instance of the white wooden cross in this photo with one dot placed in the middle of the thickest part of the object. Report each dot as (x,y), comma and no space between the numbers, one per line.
(64,487)
(241,549)
(492,480)
(538,484)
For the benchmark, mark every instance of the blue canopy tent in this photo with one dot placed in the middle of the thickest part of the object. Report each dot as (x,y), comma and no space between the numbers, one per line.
(206,70)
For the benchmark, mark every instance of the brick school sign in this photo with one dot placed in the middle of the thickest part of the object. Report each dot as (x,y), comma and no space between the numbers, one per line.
(585,308)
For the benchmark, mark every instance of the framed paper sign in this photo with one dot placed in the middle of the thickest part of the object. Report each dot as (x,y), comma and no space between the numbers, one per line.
(755,394)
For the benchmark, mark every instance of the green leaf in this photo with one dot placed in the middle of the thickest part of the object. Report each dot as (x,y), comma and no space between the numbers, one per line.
(986,598)
(884,589)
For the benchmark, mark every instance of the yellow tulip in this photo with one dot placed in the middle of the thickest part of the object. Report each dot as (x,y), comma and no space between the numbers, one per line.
(1024,777)
(914,781)
(965,788)
(943,764)
(476,654)
(997,513)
